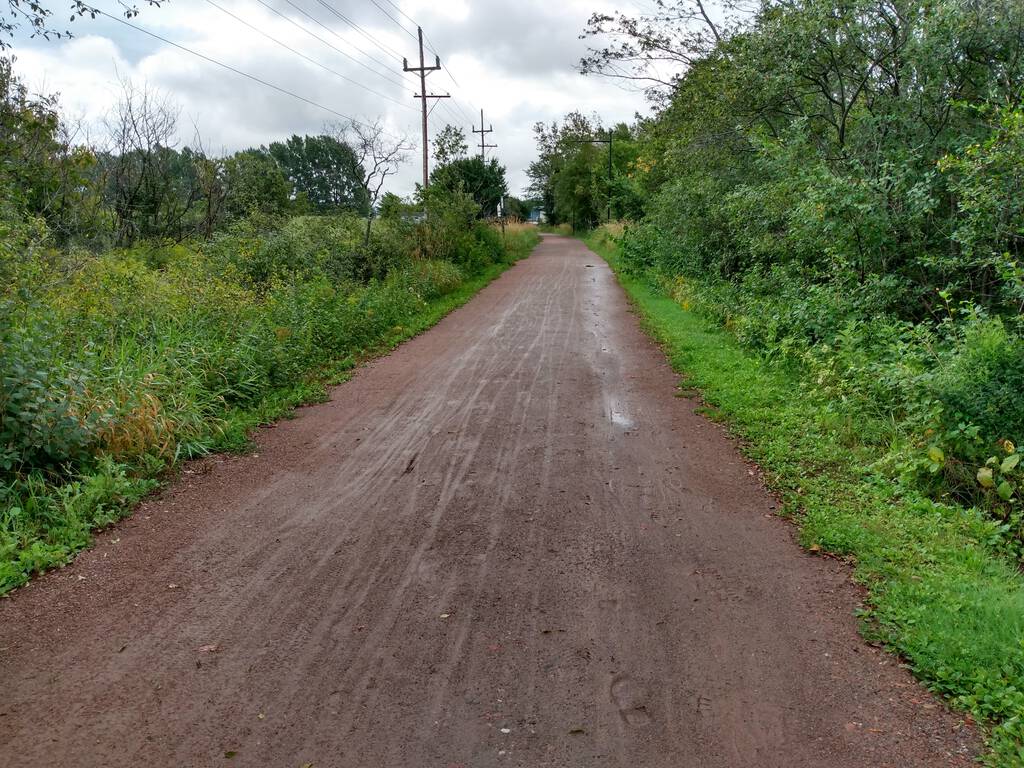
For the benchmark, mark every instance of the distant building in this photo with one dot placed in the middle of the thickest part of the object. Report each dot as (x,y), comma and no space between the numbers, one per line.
(538,216)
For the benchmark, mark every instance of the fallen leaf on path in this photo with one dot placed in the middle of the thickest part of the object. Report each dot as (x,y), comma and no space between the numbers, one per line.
(211,648)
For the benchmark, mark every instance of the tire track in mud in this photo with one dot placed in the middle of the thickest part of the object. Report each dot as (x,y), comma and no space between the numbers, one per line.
(506,543)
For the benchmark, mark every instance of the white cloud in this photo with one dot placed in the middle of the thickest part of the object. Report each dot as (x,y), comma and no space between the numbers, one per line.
(516,61)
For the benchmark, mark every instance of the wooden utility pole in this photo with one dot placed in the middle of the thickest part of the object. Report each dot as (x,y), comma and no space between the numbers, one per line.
(483,136)
(423,70)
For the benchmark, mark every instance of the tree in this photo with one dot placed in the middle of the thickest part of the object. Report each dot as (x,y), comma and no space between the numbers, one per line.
(450,145)
(483,181)
(377,156)
(324,172)
(151,187)
(565,175)
(651,50)
(36,16)
(517,209)
(46,173)
(256,184)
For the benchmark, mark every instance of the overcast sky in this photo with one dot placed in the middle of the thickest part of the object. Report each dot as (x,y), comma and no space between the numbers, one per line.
(515,60)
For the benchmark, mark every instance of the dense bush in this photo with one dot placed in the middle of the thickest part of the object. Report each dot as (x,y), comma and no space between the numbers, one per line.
(948,387)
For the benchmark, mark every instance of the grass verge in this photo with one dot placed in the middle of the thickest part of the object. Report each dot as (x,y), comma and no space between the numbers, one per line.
(939,594)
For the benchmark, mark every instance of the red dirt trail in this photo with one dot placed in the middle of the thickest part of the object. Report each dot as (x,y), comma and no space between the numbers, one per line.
(508,543)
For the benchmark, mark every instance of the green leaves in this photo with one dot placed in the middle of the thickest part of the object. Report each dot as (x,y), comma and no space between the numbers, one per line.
(1005,490)
(1009,463)
(985,477)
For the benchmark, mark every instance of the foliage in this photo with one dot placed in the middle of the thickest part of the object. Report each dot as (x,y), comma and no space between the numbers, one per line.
(482,181)
(146,356)
(583,171)
(454,171)
(36,16)
(43,173)
(257,185)
(324,173)
(450,145)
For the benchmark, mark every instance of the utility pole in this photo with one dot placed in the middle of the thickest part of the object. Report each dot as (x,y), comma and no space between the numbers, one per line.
(483,136)
(423,70)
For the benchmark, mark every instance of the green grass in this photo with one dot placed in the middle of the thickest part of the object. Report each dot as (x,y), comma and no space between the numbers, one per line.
(44,522)
(939,593)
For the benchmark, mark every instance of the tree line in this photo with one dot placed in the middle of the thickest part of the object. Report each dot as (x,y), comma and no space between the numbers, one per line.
(136,185)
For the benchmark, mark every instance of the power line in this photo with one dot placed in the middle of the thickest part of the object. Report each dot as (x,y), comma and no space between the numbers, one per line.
(431,45)
(368,68)
(400,25)
(411,19)
(228,67)
(465,115)
(358,28)
(307,58)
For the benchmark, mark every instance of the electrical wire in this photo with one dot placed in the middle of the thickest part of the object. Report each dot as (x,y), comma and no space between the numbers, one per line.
(228,67)
(359,29)
(403,13)
(333,47)
(400,25)
(307,58)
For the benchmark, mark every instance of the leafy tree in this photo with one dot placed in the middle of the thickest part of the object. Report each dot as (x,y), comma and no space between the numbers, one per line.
(256,184)
(36,16)
(483,181)
(450,145)
(557,144)
(516,208)
(46,174)
(324,172)
(392,206)
(571,176)
(808,136)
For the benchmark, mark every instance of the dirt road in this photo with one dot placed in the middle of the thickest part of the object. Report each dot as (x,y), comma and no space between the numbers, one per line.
(506,544)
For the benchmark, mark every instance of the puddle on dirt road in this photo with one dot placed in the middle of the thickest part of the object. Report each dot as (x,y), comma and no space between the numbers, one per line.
(617,414)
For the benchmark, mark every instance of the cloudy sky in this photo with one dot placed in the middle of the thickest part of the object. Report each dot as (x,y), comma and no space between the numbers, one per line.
(515,60)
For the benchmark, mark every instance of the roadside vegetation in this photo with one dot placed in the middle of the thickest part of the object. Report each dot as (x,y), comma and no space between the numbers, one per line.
(825,229)
(157,304)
